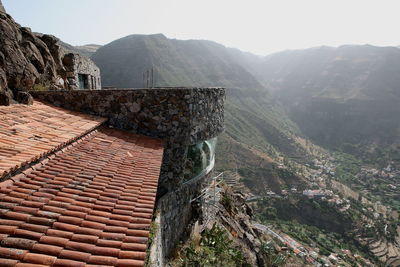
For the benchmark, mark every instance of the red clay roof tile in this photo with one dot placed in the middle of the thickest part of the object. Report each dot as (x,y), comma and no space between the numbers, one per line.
(89,204)
(47,249)
(20,243)
(30,132)
(39,259)
(12,253)
(129,263)
(68,263)
(75,255)
(8,262)
(78,212)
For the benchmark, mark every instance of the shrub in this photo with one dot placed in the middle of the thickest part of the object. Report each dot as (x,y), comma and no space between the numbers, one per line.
(213,250)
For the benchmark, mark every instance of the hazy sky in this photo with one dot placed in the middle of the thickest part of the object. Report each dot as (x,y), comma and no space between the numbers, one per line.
(260,26)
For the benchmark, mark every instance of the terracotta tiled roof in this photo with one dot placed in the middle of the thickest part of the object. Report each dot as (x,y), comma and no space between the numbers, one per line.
(90,204)
(30,132)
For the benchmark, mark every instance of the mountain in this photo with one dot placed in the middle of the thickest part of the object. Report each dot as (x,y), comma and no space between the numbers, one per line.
(85,50)
(253,118)
(175,62)
(88,50)
(342,98)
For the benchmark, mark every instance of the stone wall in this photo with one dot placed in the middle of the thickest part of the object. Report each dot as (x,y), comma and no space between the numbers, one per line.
(180,116)
(81,72)
(174,214)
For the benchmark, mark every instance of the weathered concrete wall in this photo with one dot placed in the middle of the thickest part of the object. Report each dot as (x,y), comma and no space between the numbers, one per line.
(180,116)
(76,65)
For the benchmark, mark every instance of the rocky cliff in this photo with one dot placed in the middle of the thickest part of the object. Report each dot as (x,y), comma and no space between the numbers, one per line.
(2,7)
(27,61)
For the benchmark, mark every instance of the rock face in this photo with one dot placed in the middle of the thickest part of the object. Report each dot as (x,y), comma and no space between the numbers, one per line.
(2,7)
(26,60)
(24,98)
(6,97)
(30,61)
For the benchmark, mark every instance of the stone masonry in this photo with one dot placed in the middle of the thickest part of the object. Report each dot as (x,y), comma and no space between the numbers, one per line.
(81,72)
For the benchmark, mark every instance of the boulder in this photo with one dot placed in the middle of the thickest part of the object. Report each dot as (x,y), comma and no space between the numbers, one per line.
(24,98)
(6,97)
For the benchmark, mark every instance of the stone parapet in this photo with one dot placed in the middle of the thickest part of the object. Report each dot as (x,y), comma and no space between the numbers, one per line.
(177,115)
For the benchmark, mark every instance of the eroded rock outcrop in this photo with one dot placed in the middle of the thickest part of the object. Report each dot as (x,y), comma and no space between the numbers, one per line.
(2,7)
(27,60)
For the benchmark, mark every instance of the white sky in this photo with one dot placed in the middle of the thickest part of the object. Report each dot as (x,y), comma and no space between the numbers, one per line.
(256,26)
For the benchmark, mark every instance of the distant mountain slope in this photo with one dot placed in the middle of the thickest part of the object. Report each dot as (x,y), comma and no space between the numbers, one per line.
(346,97)
(86,50)
(175,62)
(348,72)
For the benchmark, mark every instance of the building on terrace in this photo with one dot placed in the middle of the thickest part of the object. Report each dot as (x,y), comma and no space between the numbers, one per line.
(82,172)
(81,72)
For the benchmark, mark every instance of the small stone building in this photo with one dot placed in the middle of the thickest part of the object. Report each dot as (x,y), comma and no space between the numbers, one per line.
(81,72)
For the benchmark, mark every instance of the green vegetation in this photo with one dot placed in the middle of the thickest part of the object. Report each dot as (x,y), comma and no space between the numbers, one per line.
(40,87)
(375,187)
(324,241)
(213,250)
(153,230)
(320,224)
(273,257)
(327,242)
(347,167)
(226,201)
(320,214)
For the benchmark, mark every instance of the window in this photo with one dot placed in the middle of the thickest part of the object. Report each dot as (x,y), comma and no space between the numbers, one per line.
(83,81)
(200,159)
